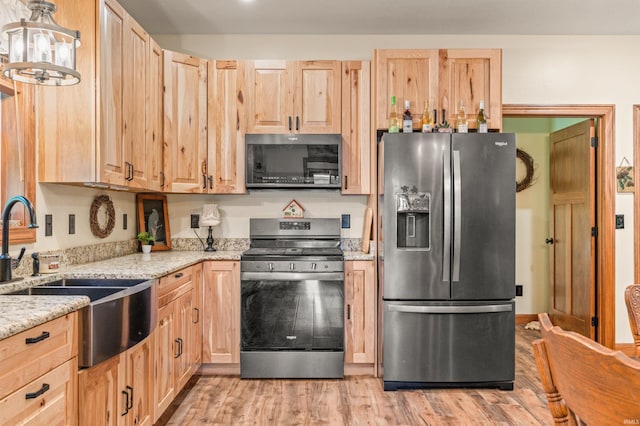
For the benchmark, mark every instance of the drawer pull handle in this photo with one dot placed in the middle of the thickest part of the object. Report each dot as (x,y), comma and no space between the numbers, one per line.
(126,402)
(130,405)
(31,340)
(32,395)
(197,312)
(178,275)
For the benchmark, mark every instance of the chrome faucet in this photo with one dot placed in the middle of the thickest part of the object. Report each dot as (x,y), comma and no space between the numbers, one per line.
(5,259)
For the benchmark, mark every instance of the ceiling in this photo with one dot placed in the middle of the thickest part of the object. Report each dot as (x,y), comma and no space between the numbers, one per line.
(518,17)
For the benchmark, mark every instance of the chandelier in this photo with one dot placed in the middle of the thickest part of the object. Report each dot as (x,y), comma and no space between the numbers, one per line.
(41,51)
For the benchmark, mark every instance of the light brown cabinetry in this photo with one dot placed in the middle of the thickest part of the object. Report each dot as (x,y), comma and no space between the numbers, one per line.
(360,313)
(356,127)
(118,391)
(444,78)
(175,357)
(155,117)
(221,304)
(293,96)
(38,368)
(185,122)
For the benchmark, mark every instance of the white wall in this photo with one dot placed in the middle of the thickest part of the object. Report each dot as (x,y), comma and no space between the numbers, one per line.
(536,70)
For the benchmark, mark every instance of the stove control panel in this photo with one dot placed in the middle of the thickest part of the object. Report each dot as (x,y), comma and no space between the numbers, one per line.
(289,266)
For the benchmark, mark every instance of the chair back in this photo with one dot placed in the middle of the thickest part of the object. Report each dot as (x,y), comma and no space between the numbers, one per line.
(632,299)
(585,381)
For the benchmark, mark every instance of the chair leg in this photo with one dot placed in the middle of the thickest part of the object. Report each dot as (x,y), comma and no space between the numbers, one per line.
(557,406)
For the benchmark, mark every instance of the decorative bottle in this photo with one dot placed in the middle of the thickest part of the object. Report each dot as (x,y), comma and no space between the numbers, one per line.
(482,119)
(461,120)
(427,122)
(394,123)
(407,118)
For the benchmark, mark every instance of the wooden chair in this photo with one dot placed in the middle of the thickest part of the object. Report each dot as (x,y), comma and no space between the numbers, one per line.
(632,298)
(586,382)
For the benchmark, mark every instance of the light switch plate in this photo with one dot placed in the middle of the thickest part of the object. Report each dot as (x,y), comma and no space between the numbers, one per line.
(48,225)
(72,224)
(619,221)
(195,221)
(124,221)
(346,221)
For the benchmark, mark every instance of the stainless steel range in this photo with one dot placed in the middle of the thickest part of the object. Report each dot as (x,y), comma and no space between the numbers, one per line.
(292,293)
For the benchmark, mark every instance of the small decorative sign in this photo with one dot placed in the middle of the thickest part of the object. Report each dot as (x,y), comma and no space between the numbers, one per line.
(624,176)
(293,209)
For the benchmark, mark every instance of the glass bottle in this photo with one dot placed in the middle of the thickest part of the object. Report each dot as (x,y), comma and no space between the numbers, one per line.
(461,120)
(482,119)
(427,122)
(407,118)
(394,123)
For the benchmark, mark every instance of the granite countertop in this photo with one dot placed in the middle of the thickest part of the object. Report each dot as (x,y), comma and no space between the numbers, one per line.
(19,313)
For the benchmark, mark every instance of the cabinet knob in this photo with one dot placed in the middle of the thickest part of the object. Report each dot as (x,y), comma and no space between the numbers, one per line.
(549,241)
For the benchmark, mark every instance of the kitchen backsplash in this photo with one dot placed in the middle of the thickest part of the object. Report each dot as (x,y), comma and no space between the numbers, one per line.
(103,251)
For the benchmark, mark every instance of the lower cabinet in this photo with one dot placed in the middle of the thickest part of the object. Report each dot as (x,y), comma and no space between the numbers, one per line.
(360,313)
(118,391)
(221,316)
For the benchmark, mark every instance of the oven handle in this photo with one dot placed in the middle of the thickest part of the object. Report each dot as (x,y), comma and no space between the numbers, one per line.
(292,276)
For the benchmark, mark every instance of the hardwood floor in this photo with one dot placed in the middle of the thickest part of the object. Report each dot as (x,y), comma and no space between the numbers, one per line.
(359,400)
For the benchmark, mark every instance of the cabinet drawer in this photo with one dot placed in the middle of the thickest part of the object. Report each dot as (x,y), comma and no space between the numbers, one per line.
(175,285)
(36,351)
(48,400)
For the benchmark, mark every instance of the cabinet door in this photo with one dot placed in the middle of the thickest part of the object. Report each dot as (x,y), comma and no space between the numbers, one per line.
(112,73)
(226,127)
(221,303)
(269,97)
(356,127)
(185,122)
(183,339)
(317,101)
(100,401)
(138,382)
(196,319)
(135,102)
(360,312)
(154,137)
(472,75)
(410,74)
(164,383)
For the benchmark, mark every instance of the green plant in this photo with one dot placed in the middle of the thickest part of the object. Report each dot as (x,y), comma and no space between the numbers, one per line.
(145,238)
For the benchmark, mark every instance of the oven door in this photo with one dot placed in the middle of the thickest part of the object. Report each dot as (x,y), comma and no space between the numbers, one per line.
(284,311)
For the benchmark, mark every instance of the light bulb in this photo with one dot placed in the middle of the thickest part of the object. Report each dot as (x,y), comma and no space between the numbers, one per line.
(63,54)
(16,47)
(41,48)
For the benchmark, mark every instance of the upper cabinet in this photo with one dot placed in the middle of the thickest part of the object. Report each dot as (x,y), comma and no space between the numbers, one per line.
(105,137)
(155,117)
(293,96)
(443,78)
(185,123)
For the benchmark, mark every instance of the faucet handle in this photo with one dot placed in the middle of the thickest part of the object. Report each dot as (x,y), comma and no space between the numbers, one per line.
(36,264)
(16,262)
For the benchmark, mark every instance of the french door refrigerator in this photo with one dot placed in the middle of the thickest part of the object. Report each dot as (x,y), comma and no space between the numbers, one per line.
(447,269)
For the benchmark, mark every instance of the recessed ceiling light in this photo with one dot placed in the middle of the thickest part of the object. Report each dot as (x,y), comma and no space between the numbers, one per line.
(247,1)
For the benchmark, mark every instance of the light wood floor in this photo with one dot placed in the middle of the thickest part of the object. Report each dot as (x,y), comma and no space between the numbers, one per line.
(359,400)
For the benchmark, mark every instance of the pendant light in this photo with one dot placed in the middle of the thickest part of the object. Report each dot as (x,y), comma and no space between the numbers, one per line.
(41,51)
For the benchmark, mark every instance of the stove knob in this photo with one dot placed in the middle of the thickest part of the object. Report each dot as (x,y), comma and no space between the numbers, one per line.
(313,266)
(291,266)
(270,267)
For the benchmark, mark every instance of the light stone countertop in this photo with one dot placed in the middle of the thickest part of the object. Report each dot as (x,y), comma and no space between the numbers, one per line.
(19,313)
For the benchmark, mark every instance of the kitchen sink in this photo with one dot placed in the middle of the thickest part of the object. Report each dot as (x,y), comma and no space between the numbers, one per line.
(121,313)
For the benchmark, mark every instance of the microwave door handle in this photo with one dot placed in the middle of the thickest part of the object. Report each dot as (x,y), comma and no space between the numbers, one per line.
(457,216)
(446,249)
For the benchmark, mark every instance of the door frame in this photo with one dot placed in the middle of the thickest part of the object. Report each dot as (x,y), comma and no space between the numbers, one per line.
(605,201)
(636,193)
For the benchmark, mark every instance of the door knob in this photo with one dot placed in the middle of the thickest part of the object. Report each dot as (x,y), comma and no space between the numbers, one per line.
(549,241)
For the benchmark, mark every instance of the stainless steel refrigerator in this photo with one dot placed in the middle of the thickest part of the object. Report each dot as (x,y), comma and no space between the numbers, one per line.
(447,269)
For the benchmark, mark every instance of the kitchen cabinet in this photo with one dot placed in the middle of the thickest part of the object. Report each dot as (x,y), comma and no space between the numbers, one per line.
(185,123)
(360,313)
(356,127)
(196,322)
(227,126)
(174,336)
(18,154)
(38,374)
(100,124)
(221,316)
(444,78)
(293,96)
(155,116)
(118,391)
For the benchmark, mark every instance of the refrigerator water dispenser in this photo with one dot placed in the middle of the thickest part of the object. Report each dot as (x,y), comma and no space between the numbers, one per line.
(413,222)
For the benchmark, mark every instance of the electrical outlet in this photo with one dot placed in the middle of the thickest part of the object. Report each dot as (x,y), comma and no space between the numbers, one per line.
(48,225)
(72,224)
(346,221)
(195,221)
(619,221)
(518,289)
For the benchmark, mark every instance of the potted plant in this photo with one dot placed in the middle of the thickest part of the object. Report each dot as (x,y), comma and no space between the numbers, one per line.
(145,239)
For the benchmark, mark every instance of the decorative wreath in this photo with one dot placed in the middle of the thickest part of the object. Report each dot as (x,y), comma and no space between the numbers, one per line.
(102,231)
(527,180)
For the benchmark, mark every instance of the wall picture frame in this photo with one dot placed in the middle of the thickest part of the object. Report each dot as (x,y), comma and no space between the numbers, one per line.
(153,217)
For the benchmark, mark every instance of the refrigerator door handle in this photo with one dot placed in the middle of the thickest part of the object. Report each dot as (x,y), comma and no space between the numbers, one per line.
(474,309)
(457,216)
(446,249)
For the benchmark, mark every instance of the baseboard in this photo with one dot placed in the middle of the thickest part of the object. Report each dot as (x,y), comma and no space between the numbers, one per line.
(219,370)
(359,370)
(525,318)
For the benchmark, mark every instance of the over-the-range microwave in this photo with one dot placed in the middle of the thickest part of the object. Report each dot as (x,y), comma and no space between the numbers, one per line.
(290,161)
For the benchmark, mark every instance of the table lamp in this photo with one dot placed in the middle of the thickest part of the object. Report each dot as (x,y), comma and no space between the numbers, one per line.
(210,217)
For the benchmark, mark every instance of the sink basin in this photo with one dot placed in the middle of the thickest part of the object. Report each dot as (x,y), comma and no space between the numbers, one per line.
(121,313)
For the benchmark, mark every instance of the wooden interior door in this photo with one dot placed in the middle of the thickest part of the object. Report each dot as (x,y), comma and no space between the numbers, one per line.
(573,229)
